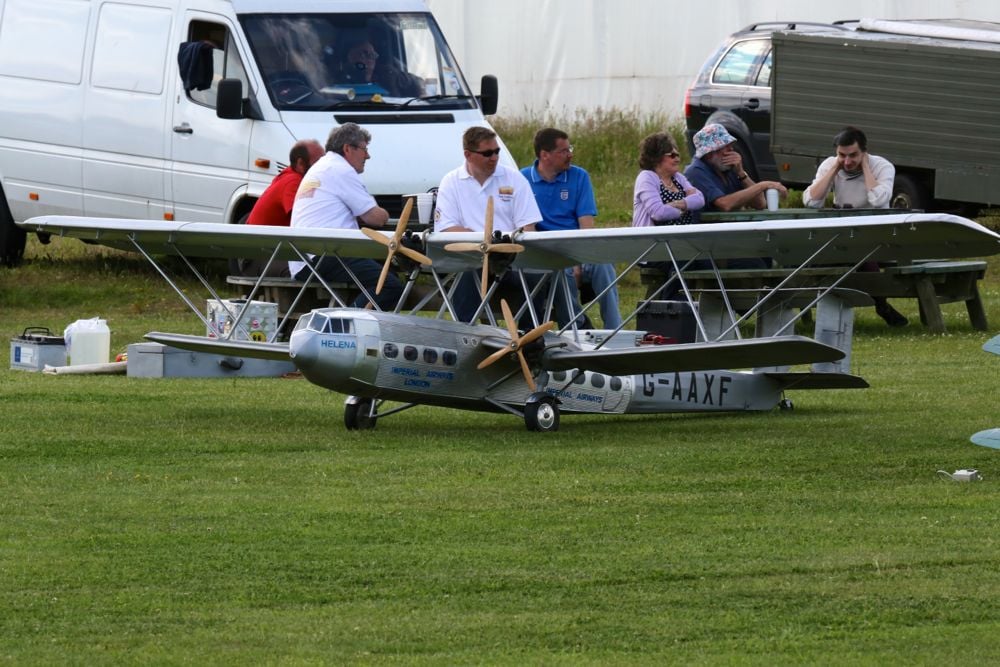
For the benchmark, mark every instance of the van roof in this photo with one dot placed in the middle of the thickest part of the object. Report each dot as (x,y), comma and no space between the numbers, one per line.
(326,6)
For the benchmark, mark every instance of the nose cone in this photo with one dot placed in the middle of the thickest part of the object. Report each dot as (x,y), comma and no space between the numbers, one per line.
(304,349)
(329,360)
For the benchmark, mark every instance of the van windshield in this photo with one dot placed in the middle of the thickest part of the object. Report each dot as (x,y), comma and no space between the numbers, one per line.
(328,61)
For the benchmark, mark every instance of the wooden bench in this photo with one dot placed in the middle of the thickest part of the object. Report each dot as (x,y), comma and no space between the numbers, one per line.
(931,282)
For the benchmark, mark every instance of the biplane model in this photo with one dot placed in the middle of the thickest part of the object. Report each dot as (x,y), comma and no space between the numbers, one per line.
(991,436)
(381,358)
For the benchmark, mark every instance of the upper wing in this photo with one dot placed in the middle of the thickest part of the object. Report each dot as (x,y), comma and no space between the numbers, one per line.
(208,239)
(754,352)
(790,242)
(240,348)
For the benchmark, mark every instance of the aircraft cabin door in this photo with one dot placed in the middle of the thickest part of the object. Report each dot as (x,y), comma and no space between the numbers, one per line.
(210,155)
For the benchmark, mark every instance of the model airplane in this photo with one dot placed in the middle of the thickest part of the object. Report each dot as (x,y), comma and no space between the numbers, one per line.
(991,436)
(376,356)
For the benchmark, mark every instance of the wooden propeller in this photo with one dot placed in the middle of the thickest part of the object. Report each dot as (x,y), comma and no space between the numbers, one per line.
(394,245)
(516,343)
(486,247)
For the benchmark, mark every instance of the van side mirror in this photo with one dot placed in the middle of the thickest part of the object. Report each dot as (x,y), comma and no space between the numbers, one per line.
(229,99)
(489,94)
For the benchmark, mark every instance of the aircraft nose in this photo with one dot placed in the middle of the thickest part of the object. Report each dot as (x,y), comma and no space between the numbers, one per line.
(304,349)
(331,356)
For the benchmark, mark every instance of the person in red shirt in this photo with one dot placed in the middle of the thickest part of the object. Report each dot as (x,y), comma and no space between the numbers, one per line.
(275,206)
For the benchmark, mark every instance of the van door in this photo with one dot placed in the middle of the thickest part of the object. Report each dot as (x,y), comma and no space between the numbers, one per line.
(210,155)
(125,107)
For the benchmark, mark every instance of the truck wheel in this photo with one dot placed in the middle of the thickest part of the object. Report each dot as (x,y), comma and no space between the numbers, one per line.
(908,193)
(748,164)
(12,237)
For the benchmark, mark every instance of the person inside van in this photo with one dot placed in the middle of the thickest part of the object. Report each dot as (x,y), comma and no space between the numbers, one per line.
(332,195)
(369,72)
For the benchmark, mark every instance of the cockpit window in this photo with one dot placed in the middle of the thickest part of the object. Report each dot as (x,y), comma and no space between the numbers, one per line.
(339,325)
(344,61)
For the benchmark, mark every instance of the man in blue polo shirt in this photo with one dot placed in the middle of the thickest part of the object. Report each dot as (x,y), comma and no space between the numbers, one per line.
(565,198)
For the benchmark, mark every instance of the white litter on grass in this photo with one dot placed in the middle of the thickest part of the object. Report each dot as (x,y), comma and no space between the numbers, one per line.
(110,368)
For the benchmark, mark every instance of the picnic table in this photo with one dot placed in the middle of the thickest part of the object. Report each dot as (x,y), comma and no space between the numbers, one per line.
(931,282)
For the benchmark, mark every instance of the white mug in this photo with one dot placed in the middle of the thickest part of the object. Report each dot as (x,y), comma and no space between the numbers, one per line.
(772,199)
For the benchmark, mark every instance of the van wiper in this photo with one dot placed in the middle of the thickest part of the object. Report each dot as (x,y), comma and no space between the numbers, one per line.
(359,104)
(434,98)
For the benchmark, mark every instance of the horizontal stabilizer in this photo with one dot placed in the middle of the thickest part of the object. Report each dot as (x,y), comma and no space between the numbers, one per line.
(988,438)
(819,380)
(775,351)
(993,345)
(236,348)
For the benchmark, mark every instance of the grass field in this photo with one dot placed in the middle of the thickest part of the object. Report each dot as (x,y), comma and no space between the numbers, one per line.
(236,521)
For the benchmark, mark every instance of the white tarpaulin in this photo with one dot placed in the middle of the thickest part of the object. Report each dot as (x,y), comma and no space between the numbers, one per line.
(559,57)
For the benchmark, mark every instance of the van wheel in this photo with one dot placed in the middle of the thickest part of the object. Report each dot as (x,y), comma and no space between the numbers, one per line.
(908,193)
(239,266)
(12,237)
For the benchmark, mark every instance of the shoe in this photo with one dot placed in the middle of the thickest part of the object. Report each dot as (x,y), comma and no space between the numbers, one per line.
(892,317)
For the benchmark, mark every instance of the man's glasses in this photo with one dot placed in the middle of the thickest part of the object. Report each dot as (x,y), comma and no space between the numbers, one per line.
(489,153)
(567,150)
(368,55)
(360,148)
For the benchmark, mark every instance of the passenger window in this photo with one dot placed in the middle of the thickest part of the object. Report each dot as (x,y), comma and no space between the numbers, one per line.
(226,62)
(764,77)
(740,64)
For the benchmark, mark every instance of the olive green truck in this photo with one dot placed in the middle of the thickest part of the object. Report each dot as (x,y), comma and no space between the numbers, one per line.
(927,95)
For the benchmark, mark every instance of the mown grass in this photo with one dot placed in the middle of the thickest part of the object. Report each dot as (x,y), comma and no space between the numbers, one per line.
(235,521)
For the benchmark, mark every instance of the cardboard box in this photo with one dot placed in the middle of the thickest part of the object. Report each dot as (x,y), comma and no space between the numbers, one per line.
(259,321)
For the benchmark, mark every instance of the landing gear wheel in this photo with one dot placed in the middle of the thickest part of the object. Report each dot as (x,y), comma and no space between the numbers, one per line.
(786,405)
(358,415)
(542,414)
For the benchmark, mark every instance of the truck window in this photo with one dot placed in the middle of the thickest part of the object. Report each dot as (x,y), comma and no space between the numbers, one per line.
(329,60)
(739,65)
(226,62)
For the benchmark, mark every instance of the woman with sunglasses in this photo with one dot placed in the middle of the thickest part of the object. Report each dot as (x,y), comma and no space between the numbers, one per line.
(662,195)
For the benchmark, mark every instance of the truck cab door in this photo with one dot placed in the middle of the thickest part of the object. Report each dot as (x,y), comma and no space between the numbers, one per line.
(209,155)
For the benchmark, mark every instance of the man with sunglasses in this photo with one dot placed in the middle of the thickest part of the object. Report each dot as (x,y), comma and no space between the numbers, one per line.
(332,195)
(565,197)
(461,206)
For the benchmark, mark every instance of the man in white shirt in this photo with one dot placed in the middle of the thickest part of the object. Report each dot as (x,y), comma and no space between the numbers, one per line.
(461,205)
(858,180)
(333,196)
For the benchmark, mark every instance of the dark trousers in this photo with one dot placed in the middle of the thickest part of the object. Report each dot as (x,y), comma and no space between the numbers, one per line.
(366,271)
(466,299)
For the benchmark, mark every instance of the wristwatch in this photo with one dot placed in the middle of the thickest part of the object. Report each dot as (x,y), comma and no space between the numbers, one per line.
(743,176)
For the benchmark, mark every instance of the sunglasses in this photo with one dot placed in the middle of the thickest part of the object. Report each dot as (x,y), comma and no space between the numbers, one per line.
(674,154)
(489,153)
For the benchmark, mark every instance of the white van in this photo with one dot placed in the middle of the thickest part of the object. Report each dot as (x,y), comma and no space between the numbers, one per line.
(186,109)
